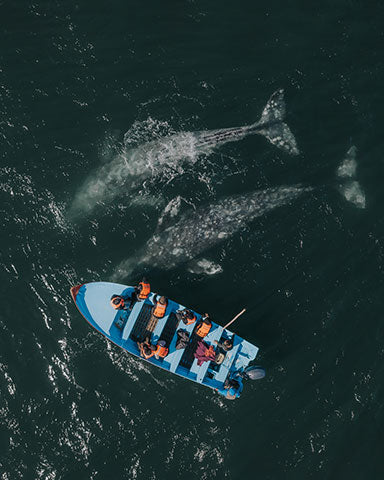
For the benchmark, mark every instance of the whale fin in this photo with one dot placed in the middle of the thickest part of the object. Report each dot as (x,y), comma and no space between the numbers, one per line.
(273,127)
(169,213)
(350,187)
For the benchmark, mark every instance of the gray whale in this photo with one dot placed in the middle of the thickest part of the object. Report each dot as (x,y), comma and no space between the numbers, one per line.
(200,229)
(133,166)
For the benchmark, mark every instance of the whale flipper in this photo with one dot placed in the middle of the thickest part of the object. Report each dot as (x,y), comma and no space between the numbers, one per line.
(170,211)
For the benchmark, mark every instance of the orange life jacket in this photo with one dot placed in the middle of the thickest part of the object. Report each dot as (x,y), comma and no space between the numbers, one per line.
(148,355)
(203,329)
(159,310)
(161,351)
(119,304)
(145,290)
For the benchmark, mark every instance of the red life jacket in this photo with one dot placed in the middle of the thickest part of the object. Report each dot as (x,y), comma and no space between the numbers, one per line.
(145,290)
(203,329)
(160,309)
(117,303)
(161,351)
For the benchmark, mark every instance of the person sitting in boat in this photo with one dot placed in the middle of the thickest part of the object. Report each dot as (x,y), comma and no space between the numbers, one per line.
(146,349)
(231,389)
(118,302)
(226,345)
(222,349)
(204,352)
(204,326)
(161,350)
(140,292)
(160,306)
(186,316)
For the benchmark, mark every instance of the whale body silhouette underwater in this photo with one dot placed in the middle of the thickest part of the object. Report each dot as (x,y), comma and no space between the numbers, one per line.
(129,169)
(200,229)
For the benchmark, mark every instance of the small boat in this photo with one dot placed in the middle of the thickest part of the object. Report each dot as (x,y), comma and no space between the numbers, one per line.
(127,327)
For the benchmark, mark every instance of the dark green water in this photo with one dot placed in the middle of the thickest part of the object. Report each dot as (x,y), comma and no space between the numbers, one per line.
(74,78)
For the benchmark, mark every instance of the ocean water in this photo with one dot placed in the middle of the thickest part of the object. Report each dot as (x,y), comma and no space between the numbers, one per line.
(99,108)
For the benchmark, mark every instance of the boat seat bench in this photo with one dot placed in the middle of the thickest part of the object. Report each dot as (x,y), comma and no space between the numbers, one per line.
(225,367)
(176,355)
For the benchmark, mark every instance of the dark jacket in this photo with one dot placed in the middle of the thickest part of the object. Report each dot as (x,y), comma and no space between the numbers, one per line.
(182,339)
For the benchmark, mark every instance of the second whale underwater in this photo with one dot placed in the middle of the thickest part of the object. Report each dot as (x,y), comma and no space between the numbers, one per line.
(198,230)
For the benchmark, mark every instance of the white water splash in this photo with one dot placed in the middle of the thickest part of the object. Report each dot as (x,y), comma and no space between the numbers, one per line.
(10,383)
(41,207)
(347,168)
(150,149)
(153,149)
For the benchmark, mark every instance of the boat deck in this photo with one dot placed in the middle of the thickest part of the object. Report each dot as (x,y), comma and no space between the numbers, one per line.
(126,327)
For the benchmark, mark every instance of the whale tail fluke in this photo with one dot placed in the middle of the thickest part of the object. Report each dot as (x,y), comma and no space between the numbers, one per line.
(349,187)
(273,127)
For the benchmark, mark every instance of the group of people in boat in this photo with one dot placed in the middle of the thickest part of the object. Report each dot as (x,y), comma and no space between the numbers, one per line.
(147,350)
(160,304)
(232,388)
(140,293)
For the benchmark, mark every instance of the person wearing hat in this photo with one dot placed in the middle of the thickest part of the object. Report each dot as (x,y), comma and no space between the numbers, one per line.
(118,302)
(147,350)
(222,349)
(139,294)
(226,345)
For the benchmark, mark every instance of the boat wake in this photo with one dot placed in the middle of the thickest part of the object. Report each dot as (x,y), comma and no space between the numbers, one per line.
(152,149)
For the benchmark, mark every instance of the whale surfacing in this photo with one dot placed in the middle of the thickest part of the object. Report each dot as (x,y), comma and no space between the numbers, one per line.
(132,166)
(199,230)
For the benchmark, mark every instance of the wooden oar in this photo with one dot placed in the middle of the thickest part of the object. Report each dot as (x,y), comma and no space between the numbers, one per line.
(234,318)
